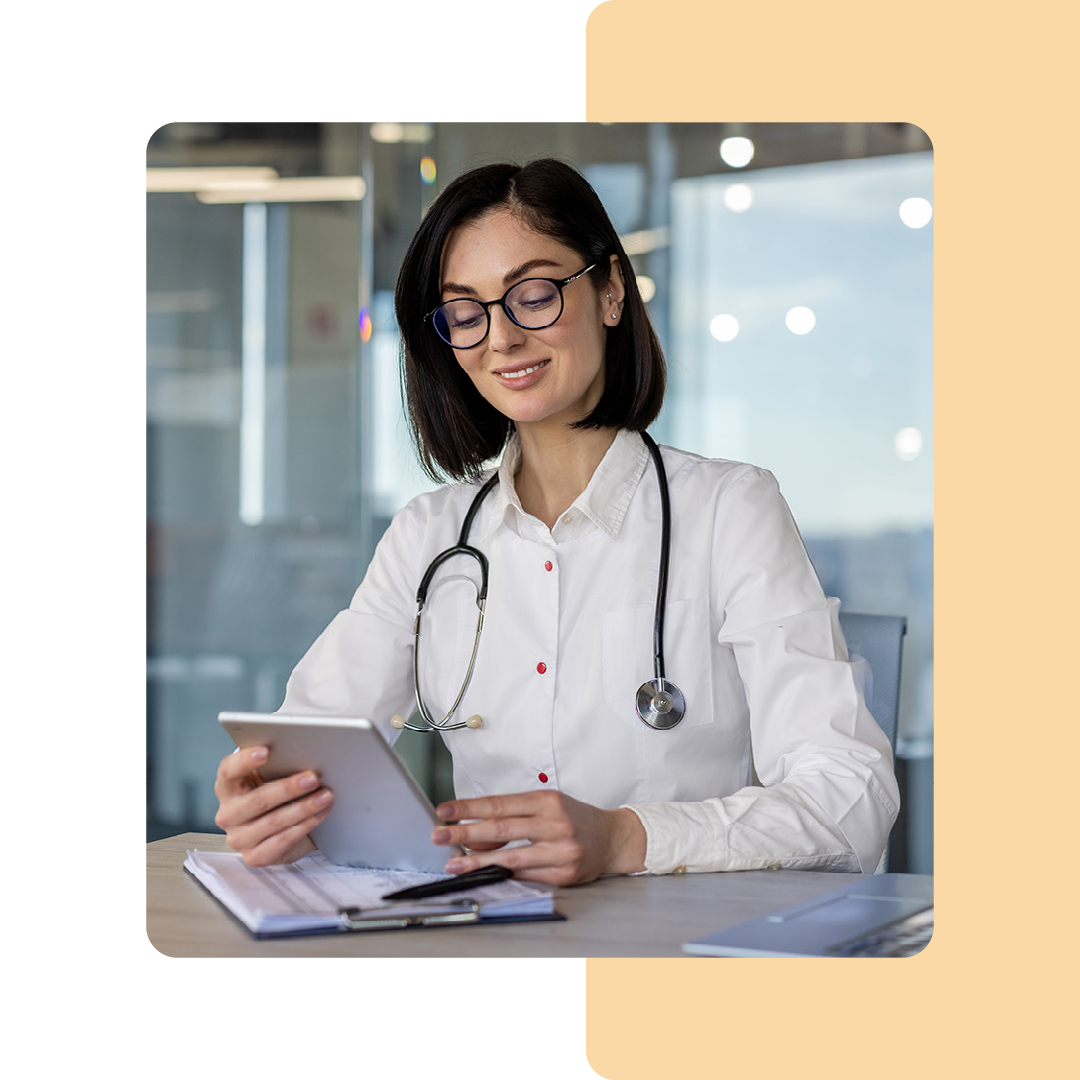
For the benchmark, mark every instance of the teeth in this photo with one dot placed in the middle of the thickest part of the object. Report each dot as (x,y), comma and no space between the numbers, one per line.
(524,371)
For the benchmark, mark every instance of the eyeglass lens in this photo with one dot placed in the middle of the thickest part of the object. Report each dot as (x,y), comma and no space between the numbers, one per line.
(533,304)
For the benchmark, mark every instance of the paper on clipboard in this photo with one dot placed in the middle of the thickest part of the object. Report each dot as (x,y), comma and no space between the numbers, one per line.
(311,895)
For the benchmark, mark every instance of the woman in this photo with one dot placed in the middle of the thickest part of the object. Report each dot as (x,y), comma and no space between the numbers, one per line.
(525,334)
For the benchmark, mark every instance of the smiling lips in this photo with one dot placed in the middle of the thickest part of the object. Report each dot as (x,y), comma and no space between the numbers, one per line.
(522,376)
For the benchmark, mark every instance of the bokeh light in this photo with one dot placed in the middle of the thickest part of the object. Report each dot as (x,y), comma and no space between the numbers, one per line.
(800,320)
(916,212)
(724,327)
(908,443)
(738,197)
(736,151)
(427,170)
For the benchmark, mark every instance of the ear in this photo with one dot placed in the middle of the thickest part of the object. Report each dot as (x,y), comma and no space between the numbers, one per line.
(614,293)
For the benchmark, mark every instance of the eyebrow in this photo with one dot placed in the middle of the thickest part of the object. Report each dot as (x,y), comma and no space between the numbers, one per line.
(518,272)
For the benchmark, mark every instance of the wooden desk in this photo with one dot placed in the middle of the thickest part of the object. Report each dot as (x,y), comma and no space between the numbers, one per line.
(615,916)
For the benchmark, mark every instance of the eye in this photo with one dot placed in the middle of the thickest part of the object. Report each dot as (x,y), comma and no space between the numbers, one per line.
(462,314)
(532,295)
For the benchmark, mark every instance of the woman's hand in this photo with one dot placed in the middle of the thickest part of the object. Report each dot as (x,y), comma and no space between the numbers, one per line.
(571,842)
(267,821)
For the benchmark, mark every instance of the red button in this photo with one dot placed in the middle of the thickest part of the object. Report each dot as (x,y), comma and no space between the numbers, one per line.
(541,667)
(547,566)
(542,777)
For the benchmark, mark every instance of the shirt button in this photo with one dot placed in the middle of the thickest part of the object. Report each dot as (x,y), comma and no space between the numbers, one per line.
(542,777)
(541,667)
(567,518)
(680,869)
(547,566)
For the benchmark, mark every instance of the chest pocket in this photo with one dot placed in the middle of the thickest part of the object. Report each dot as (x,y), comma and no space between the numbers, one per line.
(628,658)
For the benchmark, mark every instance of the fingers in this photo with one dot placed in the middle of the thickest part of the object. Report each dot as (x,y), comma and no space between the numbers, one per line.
(495,832)
(267,820)
(238,772)
(249,834)
(552,823)
(244,806)
(525,803)
(547,863)
(285,846)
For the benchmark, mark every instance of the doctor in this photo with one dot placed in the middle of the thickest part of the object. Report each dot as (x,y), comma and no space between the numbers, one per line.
(525,336)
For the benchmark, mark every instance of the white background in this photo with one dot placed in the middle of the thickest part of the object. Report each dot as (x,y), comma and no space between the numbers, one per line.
(84,87)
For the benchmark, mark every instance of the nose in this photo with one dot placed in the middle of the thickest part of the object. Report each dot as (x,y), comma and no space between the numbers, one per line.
(504,334)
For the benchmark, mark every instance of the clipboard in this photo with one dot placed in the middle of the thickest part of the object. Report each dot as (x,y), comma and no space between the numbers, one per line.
(249,893)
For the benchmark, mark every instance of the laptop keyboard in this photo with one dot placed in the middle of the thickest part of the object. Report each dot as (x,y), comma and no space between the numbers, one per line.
(903,938)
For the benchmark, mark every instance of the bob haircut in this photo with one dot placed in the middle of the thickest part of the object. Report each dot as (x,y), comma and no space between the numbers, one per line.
(456,431)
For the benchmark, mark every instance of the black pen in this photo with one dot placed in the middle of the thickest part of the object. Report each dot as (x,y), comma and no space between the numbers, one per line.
(487,875)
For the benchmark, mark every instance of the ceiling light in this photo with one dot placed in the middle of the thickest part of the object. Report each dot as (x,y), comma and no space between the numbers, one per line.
(292,189)
(197,179)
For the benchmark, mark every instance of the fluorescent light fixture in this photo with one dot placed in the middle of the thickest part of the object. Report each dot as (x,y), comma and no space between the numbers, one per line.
(292,189)
(198,179)
(396,133)
(388,133)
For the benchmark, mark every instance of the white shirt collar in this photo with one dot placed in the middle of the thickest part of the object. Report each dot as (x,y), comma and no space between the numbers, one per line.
(606,497)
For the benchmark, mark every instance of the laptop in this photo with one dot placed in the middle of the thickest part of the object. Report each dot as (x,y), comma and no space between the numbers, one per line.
(874,915)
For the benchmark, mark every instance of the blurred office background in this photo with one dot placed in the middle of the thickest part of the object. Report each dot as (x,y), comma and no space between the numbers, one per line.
(788,270)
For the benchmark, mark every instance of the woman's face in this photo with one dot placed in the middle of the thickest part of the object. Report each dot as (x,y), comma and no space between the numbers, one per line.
(554,375)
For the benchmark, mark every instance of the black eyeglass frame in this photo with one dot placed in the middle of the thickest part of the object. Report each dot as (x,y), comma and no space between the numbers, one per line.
(559,284)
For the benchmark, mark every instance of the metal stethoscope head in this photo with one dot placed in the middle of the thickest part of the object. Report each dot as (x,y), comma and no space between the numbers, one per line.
(660,703)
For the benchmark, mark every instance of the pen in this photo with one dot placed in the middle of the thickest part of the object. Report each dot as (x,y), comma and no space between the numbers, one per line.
(487,875)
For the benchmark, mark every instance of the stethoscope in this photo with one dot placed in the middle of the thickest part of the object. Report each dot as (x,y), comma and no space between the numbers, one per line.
(659,702)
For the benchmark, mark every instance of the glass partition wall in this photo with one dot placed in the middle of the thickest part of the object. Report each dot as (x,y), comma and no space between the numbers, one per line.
(788,269)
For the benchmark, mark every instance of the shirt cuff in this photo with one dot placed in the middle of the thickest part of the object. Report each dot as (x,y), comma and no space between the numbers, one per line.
(702,837)
(669,829)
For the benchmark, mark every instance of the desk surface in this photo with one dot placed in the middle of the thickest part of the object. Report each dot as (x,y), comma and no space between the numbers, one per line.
(615,916)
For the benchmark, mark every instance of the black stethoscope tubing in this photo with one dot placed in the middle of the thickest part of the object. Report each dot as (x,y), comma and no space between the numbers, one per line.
(660,704)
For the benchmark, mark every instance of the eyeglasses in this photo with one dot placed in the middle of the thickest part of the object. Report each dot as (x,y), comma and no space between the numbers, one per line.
(532,304)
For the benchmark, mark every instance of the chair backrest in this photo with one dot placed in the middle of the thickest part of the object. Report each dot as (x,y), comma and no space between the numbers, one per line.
(879,638)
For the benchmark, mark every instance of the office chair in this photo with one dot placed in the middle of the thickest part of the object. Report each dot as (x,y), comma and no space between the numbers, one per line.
(879,639)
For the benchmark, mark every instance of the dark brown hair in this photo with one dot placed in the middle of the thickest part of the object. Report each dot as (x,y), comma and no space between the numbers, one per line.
(455,429)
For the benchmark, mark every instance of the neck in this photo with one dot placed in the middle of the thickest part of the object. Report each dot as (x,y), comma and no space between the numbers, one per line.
(557,467)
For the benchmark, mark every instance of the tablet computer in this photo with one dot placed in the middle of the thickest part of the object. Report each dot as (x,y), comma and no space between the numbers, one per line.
(380,818)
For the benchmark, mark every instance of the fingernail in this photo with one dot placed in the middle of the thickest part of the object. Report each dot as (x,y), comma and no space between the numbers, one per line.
(441,836)
(308,780)
(454,866)
(323,798)
(446,810)
(260,753)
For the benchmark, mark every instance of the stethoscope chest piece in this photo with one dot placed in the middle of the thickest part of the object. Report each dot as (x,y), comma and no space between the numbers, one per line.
(660,704)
